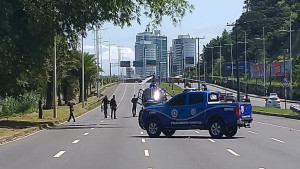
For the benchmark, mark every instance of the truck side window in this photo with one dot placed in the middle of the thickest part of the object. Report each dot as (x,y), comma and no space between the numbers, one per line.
(177,101)
(195,99)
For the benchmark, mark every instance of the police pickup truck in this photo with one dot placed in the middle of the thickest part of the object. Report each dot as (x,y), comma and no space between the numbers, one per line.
(196,110)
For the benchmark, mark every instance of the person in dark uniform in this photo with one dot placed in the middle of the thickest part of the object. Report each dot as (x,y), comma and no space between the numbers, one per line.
(134,101)
(71,106)
(40,108)
(113,106)
(105,102)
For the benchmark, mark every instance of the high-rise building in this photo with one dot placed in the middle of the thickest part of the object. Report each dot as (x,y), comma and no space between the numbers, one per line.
(151,53)
(183,54)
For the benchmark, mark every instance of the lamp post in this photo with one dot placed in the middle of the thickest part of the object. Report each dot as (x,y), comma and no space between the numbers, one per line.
(245,76)
(198,72)
(291,79)
(109,44)
(237,61)
(220,60)
(212,62)
(264,53)
(231,60)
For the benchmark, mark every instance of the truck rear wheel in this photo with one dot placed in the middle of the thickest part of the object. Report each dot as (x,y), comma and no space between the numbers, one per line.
(168,132)
(216,129)
(231,131)
(153,128)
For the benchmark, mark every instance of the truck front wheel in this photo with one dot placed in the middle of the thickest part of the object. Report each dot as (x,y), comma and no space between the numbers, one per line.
(153,128)
(168,132)
(216,129)
(231,131)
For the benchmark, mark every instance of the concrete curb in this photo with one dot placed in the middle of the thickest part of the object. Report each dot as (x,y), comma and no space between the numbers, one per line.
(277,115)
(19,135)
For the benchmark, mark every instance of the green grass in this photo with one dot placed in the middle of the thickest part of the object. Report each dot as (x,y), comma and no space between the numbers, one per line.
(274,110)
(176,89)
(25,122)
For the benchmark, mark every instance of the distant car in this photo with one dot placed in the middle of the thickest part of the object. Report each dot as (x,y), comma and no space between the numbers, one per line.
(189,89)
(273,101)
(203,87)
(222,96)
(229,97)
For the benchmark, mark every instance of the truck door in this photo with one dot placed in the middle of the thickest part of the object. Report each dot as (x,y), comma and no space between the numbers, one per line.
(175,111)
(195,109)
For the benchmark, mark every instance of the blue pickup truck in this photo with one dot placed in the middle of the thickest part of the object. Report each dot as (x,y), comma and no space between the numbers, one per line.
(196,110)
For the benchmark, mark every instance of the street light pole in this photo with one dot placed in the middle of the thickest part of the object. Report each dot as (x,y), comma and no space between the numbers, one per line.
(82,89)
(291,77)
(264,51)
(220,60)
(212,62)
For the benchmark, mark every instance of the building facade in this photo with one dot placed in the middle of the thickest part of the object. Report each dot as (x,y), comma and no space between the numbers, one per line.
(151,52)
(183,54)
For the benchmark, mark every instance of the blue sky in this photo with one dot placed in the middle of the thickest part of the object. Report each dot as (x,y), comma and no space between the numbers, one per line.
(209,19)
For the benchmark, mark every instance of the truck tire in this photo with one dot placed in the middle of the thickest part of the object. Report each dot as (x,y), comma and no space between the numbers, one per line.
(231,131)
(168,132)
(153,127)
(216,128)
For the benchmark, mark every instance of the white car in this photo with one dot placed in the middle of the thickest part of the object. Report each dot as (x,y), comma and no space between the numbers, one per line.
(273,101)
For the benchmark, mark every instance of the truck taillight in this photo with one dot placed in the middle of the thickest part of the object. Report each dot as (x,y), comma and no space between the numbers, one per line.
(237,111)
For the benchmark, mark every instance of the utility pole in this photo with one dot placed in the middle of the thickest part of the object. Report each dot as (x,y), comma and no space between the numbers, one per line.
(97,55)
(54,80)
(199,69)
(82,92)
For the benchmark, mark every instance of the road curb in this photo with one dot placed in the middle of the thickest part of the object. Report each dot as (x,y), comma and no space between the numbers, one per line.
(27,132)
(276,115)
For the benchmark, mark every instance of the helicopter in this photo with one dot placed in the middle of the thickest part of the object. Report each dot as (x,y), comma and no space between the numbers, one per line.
(152,95)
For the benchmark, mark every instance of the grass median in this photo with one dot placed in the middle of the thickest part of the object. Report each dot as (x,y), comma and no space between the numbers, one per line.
(274,110)
(29,122)
(176,89)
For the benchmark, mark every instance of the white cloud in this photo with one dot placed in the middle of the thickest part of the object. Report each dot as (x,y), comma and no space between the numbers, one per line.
(125,52)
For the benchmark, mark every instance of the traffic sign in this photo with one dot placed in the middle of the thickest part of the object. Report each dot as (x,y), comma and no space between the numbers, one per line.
(225,80)
(285,82)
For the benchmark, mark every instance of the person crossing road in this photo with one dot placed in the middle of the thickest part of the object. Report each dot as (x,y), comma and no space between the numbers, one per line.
(105,102)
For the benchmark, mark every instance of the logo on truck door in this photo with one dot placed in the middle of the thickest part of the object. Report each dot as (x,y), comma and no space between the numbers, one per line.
(193,111)
(174,113)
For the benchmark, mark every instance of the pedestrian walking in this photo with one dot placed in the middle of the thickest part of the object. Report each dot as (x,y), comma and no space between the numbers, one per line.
(104,104)
(71,106)
(113,106)
(134,101)
(40,108)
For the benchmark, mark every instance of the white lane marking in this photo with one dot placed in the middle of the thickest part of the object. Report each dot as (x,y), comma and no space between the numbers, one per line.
(59,154)
(252,132)
(274,125)
(92,128)
(143,140)
(197,132)
(146,153)
(142,133)
(232,152)
(275,139)
(211,140)
(75,141)
(116,89)
(102,121)
(261,168)
(85,134)
(122,96)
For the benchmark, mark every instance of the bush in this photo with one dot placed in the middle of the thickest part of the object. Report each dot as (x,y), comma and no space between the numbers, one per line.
(26,103)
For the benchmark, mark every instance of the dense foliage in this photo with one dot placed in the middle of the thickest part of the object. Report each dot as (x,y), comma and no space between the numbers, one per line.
(28,29)
(274,16)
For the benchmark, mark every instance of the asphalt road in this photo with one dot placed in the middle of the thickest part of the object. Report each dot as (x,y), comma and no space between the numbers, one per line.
(254,100)
(93,142)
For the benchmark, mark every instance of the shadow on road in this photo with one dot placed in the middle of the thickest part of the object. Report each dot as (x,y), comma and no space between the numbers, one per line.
(187,137)
(83,126)
(10,124)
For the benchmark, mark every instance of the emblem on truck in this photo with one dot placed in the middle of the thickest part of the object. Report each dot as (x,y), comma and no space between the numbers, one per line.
(174,113)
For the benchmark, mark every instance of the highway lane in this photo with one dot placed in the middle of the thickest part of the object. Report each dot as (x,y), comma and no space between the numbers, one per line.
(254,100)
(94,142)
